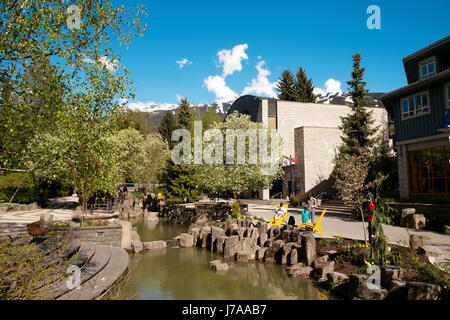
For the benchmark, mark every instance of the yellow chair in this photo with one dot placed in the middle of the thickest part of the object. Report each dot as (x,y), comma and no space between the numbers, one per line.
(315,226)
(280,220)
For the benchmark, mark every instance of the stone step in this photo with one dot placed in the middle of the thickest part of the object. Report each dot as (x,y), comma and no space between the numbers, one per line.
(102,281)
(93,266)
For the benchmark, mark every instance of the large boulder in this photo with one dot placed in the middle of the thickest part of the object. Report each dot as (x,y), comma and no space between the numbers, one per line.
(215,232)
(245,255)
(262,238)
(431,251)
(389,273)
(416,221)
(260,253)
(423,291)
(217,265)
(230,250)
(186,240)
(288,248)
(405,213)
(274,232)
(204,235)
(274,252)
(308,248)
(303,272)
(397,290)
(219,244)
(291,269)
(248,243)
(416,241)
(174,243)
(356,288)
(322,267)
(155,245)
(137,246)
(126,234)
(262,227)
(336,278)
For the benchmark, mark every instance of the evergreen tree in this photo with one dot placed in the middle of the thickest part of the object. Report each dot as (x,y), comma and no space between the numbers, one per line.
(304,87)
(181,183)
(166,127)
(286,86)
(184,117)
(357,127)
(209,117)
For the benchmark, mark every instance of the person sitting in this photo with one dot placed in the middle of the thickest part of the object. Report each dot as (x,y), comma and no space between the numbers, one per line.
(279,216)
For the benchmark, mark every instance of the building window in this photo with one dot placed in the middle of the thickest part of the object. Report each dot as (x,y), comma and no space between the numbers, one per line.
(427,68)
(415,105)
(430,171)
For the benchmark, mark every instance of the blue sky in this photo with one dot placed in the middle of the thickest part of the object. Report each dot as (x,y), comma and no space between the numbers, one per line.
(320,36)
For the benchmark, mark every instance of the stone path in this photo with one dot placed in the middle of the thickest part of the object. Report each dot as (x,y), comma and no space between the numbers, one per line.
(340,223)
(15,222)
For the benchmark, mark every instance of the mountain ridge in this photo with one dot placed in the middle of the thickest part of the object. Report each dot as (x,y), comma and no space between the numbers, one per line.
(340,98)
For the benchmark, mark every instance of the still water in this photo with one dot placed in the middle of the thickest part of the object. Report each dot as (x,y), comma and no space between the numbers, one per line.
(184,274)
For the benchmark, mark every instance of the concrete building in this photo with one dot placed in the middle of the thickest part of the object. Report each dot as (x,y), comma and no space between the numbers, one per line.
(422,134)
(310,133)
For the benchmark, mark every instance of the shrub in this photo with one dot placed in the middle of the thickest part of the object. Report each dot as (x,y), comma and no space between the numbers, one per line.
(25,267)
(236,211)
(297,199)
(431,273)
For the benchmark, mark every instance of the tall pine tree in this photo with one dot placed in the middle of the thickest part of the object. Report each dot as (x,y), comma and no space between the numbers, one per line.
(181,181)
(184,117)
(286,86)
(167,126)
(304,87)
(357,127)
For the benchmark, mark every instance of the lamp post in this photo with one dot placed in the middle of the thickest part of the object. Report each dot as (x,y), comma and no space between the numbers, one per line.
(292,178)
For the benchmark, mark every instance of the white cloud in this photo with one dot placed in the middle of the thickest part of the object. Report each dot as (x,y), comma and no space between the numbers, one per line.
(231,59)
(181,63)
(217,85)
(261,85)
(331,86)
(111,65)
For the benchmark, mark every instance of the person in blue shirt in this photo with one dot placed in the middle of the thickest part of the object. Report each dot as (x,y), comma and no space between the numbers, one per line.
(306,214)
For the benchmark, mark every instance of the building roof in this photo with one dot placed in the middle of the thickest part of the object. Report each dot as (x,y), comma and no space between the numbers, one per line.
(415,86)
(427,49)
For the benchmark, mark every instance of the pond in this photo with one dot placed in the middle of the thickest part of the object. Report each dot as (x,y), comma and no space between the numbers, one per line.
(184,274)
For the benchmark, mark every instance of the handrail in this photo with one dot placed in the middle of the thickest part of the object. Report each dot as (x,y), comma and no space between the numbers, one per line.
(273,197)
(320,195)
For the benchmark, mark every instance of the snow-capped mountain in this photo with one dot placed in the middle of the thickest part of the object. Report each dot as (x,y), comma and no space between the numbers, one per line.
(158,110)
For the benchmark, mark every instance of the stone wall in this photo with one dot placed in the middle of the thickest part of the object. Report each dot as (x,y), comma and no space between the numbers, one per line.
(20,207)
(187,214)
(103,235)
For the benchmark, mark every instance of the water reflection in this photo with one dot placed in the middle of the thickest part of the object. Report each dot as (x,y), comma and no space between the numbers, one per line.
(184,274)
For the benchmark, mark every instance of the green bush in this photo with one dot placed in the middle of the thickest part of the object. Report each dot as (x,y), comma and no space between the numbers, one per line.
(432,273)
(236,210)
(297,199)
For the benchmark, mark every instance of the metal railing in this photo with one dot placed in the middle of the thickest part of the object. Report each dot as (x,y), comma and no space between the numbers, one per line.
(273,197)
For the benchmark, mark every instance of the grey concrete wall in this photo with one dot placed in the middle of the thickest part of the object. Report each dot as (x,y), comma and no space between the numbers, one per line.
(291,115)
(104,235)
(320,149)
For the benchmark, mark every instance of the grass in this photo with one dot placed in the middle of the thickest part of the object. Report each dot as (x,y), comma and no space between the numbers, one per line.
(6,204)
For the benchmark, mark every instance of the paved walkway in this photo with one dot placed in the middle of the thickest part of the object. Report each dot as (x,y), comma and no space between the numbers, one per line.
(341,224)
(61,208)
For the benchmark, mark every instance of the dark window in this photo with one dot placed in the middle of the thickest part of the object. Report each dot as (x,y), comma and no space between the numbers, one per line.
(429,170)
